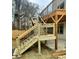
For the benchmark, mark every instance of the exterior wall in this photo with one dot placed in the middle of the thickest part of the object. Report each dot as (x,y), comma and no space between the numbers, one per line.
(61,41)
(65,4)
(63,36)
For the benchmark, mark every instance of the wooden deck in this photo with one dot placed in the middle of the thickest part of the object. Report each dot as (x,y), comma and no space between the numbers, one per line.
(56,12)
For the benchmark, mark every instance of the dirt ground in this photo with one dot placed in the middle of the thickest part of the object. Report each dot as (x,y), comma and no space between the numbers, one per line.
(16,33)
(32,53)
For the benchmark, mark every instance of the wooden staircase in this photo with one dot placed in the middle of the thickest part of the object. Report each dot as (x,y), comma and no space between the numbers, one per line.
(37,36)
(39,28)
(25,45)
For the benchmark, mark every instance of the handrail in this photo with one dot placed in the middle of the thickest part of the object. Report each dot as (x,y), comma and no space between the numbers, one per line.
(42,20)
(38,19)
(26,32)
(46,7)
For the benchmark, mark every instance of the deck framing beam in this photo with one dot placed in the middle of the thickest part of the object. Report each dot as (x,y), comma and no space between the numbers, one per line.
(53,19)
(60,18)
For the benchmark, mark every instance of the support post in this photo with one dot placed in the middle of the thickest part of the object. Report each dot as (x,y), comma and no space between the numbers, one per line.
(18,46)
(56,31)
(39,47)
(39,43)
(54,28)
(56,40)
(20,27)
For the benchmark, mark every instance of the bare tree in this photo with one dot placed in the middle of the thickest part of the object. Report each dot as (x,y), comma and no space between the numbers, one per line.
(30,9)
(24,9)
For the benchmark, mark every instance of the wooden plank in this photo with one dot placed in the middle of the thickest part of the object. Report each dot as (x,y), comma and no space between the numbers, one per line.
(33,41)
(22,35)
(48,25)
(38,29)
(42,20)
(26,32)
(60,18)
(39,47)
(61,11)
(56,28)
(53,19)
(59,53)
(47,37)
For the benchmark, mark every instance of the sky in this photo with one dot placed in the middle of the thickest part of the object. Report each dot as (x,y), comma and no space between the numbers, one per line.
(42,3)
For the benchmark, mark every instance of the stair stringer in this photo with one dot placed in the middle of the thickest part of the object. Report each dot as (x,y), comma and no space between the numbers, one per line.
(19,51)
(32,42)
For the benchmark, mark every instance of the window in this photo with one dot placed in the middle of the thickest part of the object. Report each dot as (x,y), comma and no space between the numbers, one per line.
(61,6)
(50,30)
(61,28)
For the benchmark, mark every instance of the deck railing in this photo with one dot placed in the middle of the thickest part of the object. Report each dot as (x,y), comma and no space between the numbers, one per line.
(55,4)
(27,34)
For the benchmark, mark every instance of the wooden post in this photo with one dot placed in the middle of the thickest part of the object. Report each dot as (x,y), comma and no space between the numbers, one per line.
(39,43)
(56,40)
(46,31)
(18,42)
(18,46)
(20,22)
(39,47)
(56,28)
